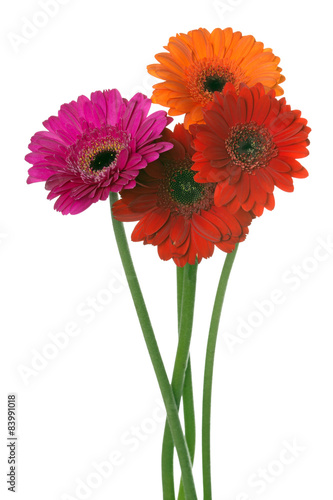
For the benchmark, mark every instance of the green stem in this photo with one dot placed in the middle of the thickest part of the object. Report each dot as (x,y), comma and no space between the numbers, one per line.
(189,416)
(186,303)
(155,356)
(208,376)
(188,401)
(167,462)
(180,289)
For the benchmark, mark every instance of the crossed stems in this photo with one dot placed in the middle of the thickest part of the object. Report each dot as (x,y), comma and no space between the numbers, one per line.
(182,379)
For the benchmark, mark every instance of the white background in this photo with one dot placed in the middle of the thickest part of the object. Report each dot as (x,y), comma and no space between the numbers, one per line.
(83,405)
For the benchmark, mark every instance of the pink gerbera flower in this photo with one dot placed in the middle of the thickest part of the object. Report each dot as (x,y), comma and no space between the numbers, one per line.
(95,146)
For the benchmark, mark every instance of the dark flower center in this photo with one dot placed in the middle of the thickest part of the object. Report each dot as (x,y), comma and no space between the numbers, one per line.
(102,159)
(206,76)
(250,146)
(214,83)
(183,187)
(180,193)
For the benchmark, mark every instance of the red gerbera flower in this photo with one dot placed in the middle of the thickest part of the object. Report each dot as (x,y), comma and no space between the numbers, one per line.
(176,213)
(248,146)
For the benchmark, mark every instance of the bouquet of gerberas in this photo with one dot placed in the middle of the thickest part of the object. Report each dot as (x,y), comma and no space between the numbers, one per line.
(191,189)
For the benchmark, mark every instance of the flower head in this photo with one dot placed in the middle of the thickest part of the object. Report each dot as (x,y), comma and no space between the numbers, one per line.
(177,214)
(95,146)
(249,145)
(200,63)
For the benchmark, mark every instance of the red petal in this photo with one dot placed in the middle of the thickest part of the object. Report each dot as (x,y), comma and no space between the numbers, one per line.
(296,150)
(247,206)
(282,181)
(156,221)
(217,152)
(207,137)
(230,220)
(161,235)
(214,175)
(258,209)
(249,103)
(226,247)
(179,251)
(139,232)
(292,163)
(205,228)
(243,188)
(293,129)
(235,175)
(244,218)
(241,109)
(234,205)
(261,110)
(224,193)
(216,218)
(300,174)
(179,230)
(204,248)
(143,204)
(164,250)
(121,212)
(217,123)
(279,165)
(258,192)
(220,163)
(265,180)
(281,122)
(230,109)
(301,137)
(270,202)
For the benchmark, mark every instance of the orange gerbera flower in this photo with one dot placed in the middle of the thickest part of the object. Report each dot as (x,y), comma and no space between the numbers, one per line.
(200,63)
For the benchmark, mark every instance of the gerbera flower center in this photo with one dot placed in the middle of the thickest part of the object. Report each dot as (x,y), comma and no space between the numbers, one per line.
(210,75)
(250,146)
(184,189)
(180,193)
(103,159)
(214,83)
(96,152)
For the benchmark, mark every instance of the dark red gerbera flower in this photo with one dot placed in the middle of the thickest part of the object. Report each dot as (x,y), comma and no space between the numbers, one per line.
(248,145)
(177,214)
